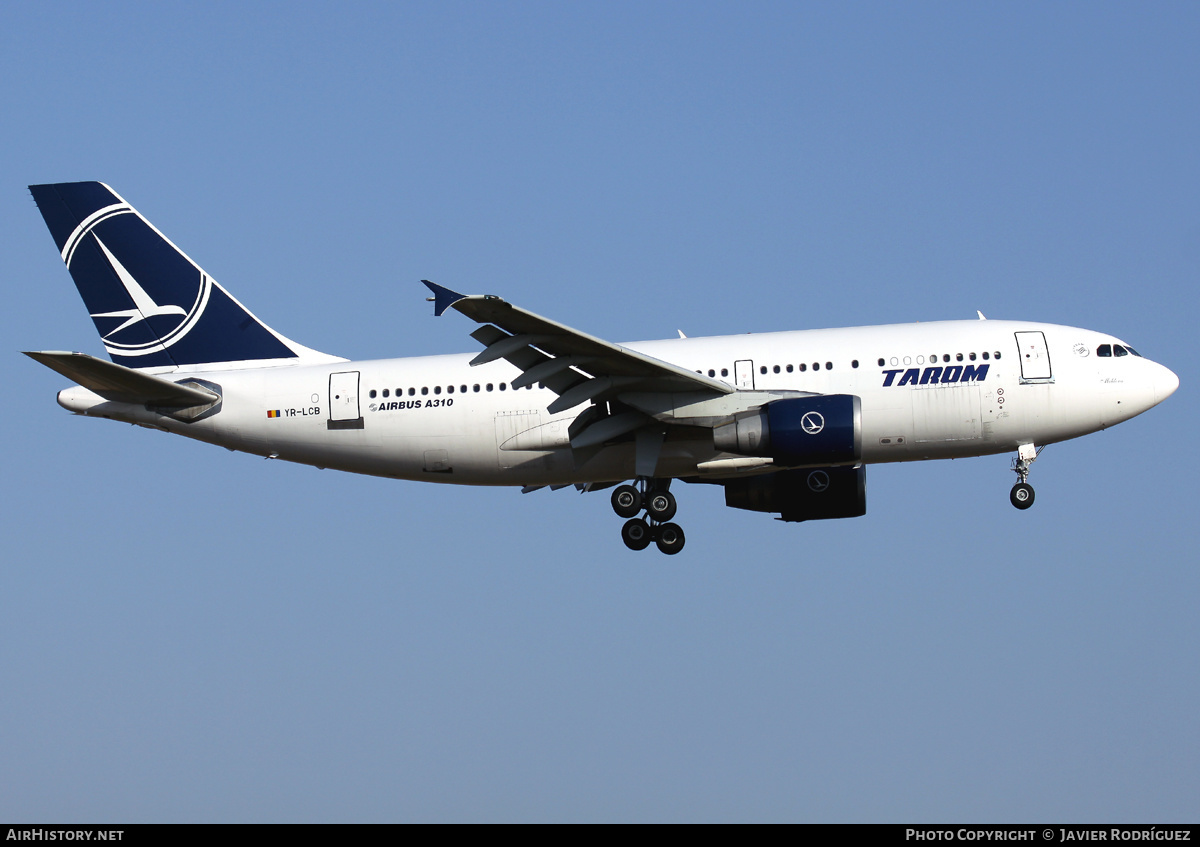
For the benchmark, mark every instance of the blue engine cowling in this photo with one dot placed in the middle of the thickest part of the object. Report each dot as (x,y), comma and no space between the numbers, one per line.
(824,429)
(803,495)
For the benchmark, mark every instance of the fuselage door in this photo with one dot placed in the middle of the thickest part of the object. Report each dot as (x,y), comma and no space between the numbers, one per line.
(343,401)
(743,374)
(1035,358)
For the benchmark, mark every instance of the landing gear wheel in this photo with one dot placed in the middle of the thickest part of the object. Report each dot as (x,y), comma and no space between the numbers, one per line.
(626,501)
(670,538)
(1021,495)
(660,505)
(636,534)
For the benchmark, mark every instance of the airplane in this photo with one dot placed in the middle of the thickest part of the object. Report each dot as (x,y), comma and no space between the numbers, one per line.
(784,422)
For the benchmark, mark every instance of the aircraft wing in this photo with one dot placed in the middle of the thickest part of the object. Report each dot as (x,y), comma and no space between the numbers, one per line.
(121,384)
(574,365)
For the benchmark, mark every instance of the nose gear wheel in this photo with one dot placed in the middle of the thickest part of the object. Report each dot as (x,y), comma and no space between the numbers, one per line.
(1021,495)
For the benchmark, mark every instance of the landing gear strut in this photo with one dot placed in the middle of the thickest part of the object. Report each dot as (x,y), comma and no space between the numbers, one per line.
(653,496)
(1021,495)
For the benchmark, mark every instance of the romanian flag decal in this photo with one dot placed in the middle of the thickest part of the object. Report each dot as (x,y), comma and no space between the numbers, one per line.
(272,413)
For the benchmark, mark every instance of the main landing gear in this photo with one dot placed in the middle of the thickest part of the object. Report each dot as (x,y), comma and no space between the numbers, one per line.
(1021,495)
(660,506)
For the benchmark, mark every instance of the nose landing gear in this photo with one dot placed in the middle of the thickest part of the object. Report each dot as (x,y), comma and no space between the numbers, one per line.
(660,506)
(1021,495)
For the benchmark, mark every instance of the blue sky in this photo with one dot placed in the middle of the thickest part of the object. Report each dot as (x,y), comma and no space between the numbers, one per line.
(193,635)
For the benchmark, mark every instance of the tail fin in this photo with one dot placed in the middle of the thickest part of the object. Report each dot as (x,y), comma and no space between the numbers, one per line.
(152,305)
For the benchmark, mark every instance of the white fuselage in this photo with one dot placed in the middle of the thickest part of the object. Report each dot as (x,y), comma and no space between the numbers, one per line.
(944,390)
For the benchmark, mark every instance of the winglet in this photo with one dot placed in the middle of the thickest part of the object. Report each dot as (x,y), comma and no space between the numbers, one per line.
(443,298)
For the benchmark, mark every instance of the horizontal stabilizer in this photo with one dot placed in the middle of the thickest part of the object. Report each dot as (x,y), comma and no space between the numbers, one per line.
(120,384)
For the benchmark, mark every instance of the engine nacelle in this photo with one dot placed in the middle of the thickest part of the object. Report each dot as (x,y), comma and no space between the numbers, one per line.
(824,429)
(803,495)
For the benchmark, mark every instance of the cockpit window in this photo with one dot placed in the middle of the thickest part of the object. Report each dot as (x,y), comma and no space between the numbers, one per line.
(1104,350)
(1119,350)
(1134,352)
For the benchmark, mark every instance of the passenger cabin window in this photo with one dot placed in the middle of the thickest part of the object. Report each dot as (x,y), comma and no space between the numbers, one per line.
(1104,350)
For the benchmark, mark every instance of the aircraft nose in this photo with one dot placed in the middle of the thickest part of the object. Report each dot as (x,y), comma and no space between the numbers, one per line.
(1165,383)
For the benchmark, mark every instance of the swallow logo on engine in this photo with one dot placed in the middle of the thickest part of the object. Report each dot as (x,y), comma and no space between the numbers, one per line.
(812,422)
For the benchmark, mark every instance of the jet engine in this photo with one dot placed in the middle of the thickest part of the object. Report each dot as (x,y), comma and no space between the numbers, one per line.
(823,429)
(802,495)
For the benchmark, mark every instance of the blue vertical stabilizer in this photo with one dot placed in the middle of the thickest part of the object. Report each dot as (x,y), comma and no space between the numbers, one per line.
(152,305)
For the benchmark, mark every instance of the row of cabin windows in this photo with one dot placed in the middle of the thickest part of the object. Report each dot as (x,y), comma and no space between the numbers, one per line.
(1108,351)
(450,389)
(802,367)
(816,366)
(945,358)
